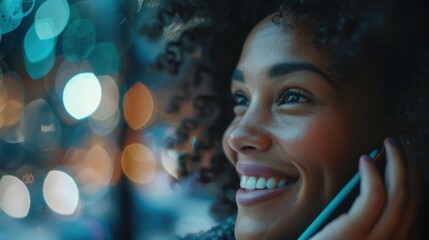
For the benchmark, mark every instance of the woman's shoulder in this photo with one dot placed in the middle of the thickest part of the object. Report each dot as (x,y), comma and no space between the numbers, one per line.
(224,230)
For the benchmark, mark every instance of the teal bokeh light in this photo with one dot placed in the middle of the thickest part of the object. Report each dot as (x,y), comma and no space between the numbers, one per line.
(36,49)
(51,18)
(7,23)
(105,59)
(37,70)
(78,40)
(18,9)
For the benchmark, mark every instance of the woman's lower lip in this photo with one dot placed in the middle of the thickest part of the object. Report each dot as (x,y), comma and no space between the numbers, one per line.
(251,197)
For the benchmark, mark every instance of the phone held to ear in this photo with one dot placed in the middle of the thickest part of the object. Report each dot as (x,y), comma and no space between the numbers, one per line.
(342,202)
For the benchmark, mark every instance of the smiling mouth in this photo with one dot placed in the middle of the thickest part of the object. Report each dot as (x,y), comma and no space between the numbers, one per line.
(259,183)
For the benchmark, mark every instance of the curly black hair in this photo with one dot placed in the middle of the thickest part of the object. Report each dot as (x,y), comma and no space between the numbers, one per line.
(388,37)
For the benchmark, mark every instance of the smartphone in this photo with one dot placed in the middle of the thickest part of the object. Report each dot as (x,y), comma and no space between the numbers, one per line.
(342,202)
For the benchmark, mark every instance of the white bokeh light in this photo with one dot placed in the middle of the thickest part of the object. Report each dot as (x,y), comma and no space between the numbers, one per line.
(60,192)
(14,197)
(82,95)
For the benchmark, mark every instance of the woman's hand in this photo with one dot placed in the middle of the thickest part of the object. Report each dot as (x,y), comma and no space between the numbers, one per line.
(382,211)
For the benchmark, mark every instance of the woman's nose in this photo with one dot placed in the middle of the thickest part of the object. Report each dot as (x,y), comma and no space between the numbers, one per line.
(248,138)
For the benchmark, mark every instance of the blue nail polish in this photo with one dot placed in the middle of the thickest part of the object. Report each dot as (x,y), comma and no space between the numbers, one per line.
(394,142)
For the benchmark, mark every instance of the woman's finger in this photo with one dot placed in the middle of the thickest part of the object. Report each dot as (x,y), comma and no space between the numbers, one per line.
(409,223)
(366,209)
(397,194)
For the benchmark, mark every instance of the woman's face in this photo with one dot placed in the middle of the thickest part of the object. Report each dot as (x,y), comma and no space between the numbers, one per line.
(297,134)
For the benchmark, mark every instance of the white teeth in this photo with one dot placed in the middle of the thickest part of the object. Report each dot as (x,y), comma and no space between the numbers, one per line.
(243,181)
(271,183)
(261,183)
(252,182)
(281,183)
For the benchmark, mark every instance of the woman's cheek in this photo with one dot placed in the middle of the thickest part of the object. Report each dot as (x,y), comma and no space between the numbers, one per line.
(313,143)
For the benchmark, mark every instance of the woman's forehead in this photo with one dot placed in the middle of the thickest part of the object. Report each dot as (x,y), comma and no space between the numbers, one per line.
(271,43)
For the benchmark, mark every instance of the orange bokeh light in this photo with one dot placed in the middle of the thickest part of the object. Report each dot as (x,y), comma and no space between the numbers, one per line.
(138,163)
(139,106)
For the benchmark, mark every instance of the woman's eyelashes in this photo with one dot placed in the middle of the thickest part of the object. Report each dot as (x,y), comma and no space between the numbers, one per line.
(294,96)
(289,96)
(240,99)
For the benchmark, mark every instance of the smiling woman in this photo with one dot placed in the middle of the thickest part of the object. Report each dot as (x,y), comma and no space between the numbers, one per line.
(316,85)
(296,121)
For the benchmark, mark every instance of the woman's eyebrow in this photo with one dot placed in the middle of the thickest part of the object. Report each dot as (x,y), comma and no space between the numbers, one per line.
(281,69)
(237,75)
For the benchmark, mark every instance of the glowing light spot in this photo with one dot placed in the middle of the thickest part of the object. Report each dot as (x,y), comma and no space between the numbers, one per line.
(37,70)
(138,163)
(139,106)
(41,127)
(106,126)
(96,170)
(14,197)
(11,100)
(78,40)
(36,49)
(82,95)
(18,9)
(169,162)
(66,71)
(60,192)
(109,99)
(51,18)
(7,22)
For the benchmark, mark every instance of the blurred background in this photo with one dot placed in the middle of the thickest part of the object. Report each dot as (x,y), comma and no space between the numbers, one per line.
(83,126)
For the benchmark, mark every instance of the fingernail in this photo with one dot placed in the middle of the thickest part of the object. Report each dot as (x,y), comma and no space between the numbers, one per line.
(393,141)
(366,158)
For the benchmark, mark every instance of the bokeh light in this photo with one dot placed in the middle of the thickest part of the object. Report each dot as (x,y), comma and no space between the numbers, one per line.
(51,18)
(104,58)
(79,39)
(41,127)
(82,95)
(139,106)
(7,22)
(94,173)
(66,71)
(109,98)
(14,197)
(37,70)
(105,126)
(11,97)
(36,49)
(105,119)
(169,161)
(60,192)
(138,163)
(18,9)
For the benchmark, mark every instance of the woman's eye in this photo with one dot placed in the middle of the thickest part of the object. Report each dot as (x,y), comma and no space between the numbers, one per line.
(293,96)
(240,99)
